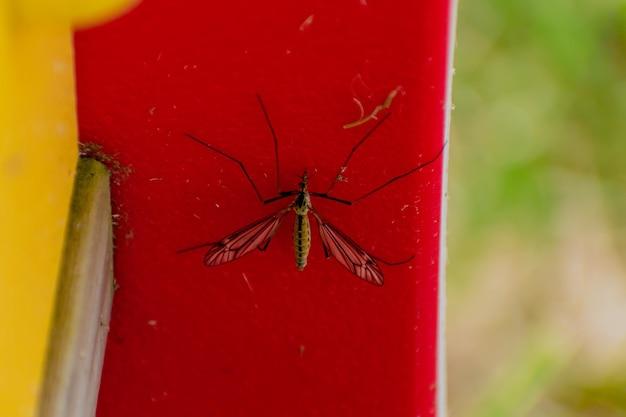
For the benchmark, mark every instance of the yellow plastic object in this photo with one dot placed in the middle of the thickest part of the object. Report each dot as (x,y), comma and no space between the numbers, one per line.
(78,12)
(38,154)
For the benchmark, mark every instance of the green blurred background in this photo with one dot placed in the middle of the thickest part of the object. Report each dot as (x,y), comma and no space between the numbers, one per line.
(537,210)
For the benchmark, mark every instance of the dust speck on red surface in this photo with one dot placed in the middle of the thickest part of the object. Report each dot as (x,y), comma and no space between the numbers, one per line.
(256,337)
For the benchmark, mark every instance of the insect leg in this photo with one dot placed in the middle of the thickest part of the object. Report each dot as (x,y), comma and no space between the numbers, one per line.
(232,158)
(280,196)
(395,263)
(243,169)
(331,198)
(194,247)
(383,185)
(253,236)
(399,177)
(347,248)
(274,137)
(356,146)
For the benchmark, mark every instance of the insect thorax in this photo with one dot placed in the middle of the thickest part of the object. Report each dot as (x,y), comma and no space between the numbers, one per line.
(302,203)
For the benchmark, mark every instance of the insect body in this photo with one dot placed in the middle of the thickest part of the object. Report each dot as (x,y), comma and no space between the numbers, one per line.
(335,243)
(302,227)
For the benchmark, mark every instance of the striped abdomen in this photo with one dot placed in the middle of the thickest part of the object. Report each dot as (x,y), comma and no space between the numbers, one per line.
(302,240)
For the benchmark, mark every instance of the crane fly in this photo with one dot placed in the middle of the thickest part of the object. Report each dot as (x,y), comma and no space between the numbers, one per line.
(335,243)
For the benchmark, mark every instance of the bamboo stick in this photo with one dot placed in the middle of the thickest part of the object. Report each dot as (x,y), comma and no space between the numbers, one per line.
(83,301)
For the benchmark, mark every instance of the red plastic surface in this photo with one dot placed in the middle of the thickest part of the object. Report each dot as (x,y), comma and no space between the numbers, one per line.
(256,337)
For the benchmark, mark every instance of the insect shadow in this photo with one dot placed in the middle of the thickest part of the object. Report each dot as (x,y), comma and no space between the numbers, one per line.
(336,243)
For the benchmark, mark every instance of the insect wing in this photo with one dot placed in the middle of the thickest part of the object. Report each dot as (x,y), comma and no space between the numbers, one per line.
(253,236)
(349,253)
